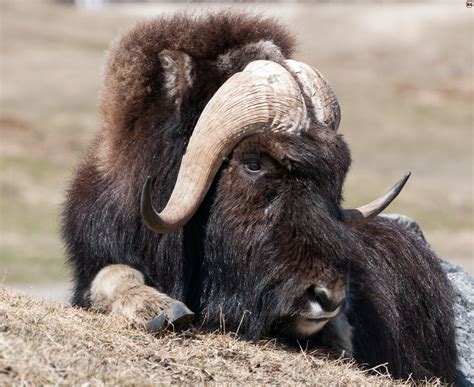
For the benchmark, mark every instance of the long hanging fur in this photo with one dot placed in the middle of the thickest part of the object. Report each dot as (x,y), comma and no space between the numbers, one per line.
(142,135)
(401,304)
(229,259)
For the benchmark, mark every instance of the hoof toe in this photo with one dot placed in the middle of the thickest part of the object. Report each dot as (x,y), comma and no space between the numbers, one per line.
(179,315)
(157,324)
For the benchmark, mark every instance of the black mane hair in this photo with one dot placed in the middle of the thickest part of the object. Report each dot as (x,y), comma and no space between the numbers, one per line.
(142,135)
(401,304)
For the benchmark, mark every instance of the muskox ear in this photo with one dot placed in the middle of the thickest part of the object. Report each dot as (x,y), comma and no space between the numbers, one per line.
(177,75)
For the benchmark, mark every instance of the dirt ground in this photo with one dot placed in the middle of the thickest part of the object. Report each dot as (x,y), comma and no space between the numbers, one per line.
(43,343)
(402,72)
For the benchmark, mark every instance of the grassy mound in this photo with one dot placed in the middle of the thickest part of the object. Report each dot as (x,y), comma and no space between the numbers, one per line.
(47,343)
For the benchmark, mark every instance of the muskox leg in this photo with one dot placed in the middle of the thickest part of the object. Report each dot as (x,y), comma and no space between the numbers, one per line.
(121,290)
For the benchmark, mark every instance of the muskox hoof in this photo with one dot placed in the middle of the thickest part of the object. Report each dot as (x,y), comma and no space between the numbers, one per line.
(176,316)
(179,316)
(157,324)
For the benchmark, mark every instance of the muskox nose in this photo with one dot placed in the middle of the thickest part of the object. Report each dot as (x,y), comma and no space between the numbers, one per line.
(328,299)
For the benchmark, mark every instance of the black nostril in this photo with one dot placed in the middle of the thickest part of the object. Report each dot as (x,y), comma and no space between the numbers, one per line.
(320,295)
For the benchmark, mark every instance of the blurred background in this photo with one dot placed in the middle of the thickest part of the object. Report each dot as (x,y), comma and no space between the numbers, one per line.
(403,73)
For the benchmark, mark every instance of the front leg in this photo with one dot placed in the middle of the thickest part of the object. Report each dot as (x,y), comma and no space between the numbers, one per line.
(121,290)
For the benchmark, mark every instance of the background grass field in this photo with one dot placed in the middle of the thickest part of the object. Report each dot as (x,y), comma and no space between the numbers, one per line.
(402,72)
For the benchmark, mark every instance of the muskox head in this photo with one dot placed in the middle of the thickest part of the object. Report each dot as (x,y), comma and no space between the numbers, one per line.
(266,152)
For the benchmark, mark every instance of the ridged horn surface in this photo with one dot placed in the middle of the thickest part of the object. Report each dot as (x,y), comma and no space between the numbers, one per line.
(326,110)
(263,97)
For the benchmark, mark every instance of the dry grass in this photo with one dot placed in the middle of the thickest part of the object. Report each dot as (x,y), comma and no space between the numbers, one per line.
(46,343)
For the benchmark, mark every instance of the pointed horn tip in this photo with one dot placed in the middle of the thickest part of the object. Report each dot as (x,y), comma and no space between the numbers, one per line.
(403,180)
(147,211)
(362,215)
(146,193)
(150,217)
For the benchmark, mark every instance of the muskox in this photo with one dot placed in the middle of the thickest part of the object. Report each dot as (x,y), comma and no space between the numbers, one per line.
(245,160)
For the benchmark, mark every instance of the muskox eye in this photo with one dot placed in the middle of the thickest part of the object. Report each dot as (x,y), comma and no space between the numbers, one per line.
(253,165)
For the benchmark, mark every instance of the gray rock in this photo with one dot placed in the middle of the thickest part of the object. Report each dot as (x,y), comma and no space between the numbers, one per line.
(463,285)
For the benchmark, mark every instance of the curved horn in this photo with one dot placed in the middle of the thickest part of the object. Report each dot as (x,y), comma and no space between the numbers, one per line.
(326,110)
(358,216)
(264,96)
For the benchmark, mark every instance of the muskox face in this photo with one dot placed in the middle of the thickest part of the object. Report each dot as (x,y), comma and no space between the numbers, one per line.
(266,156)
(275,245)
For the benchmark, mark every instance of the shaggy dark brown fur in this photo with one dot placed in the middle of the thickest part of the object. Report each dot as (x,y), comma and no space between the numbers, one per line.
(261,238)
(134,96)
